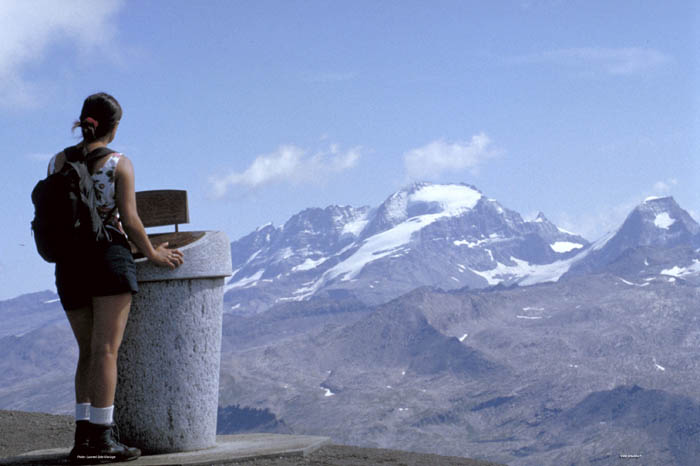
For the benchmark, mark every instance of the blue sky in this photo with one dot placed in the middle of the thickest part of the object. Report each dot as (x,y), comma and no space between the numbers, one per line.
(259,109)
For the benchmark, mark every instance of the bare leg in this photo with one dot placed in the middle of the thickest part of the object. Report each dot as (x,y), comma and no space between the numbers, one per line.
(81,323)
(110,314)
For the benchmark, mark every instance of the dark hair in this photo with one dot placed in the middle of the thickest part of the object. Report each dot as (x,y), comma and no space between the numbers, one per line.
(101,113)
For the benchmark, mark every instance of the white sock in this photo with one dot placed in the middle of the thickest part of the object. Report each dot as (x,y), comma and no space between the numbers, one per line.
(82,411)
(101,415)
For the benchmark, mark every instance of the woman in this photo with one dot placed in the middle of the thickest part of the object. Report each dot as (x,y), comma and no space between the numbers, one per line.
(96,288)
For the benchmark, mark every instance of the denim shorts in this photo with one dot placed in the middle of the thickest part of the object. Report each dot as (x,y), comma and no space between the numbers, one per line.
(105,270)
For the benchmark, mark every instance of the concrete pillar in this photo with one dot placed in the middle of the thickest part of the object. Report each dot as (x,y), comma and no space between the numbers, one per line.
(168,383)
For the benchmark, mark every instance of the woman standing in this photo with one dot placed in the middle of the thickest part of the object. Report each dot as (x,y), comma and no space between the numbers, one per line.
(96,288)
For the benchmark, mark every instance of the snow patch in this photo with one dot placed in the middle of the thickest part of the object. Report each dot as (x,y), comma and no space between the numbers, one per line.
(401,252)
(380,245)
(471,244)
(564,246)
(659,367)
(246,282)
(675,271)
(356,226)
(304,292)
(680,272)
(452,198)
(630,283)
(525,273)
(309,264)
(463,337)
(664,221)
(50,301)
(253,256)
(528,317)
(285,254)
(327,390)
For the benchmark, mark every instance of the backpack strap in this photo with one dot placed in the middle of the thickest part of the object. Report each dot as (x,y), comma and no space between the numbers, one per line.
(75,154)
(97,153)
(79,161)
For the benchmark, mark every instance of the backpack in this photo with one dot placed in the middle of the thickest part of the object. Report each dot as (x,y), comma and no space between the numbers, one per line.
(66,219)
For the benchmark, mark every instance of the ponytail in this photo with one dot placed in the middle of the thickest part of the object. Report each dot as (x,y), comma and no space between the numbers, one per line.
(100,114)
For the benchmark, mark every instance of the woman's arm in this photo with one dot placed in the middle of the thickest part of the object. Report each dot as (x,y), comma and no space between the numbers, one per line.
(126,203)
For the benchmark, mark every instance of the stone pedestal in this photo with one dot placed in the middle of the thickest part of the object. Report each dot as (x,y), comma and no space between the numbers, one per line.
(168,383)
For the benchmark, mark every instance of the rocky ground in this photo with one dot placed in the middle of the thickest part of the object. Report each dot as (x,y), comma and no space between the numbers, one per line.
(21,432)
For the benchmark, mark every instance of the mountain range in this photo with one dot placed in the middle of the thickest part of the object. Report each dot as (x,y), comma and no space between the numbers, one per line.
(445,236)
(440,321)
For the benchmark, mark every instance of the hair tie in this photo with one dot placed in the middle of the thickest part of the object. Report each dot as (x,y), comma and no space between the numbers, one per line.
(93,121)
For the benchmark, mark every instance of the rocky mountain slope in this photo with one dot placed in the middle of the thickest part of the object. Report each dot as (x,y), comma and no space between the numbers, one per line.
(448,236)
(578,371)
(29,312)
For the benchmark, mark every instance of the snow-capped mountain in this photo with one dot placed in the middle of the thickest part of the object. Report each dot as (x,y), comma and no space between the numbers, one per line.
(657,238)
(446,236)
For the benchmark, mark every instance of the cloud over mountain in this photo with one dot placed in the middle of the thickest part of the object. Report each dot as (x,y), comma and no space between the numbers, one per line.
(437,157)
(288,164)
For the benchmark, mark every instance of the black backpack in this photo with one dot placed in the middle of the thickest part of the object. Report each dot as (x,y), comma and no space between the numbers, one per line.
(66,219)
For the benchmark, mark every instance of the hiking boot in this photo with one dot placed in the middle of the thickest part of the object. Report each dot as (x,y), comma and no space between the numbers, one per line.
(104,448)
(81,444)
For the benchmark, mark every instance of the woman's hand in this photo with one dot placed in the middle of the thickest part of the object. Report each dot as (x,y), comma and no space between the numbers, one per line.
(126,203)
(164,257)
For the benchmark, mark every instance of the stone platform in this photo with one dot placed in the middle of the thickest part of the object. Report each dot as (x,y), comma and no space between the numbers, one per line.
(229,448)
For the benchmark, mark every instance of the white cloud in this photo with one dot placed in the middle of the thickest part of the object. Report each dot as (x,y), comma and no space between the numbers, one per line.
(664,187)
(288,164)
(29,28)
(437,157)
(614,61)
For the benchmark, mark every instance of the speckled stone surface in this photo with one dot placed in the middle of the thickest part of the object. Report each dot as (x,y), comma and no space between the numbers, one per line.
(209,256)
(168,382)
